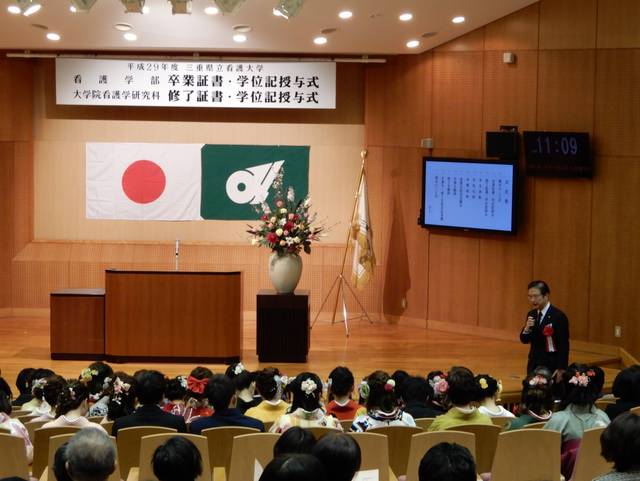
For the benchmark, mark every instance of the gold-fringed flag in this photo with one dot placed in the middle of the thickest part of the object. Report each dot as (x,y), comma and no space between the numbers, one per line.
(364,259)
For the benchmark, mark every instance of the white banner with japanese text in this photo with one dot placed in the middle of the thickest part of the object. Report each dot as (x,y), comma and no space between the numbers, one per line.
(160,83)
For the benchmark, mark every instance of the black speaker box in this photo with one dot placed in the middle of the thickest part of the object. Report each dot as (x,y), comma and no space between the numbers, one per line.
(504,145)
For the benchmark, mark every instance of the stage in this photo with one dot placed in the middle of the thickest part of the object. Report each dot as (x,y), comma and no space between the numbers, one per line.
(24,342)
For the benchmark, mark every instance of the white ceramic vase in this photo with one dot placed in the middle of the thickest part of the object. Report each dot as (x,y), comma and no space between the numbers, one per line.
(285,272)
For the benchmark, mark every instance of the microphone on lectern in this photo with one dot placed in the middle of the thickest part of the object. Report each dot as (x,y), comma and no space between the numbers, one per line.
(177,252)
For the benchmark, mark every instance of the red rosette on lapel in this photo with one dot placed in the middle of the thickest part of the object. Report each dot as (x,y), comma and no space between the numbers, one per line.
(547,331)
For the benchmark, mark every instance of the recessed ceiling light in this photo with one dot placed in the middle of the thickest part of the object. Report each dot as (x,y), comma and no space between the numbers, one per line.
(345,14)
(54,37)
(405,17)
(146,9)
(33,8)
(413,43)
(320,40)
(211,10)
(242,28)
(459,19)
(130,36)
(73,9)
(123,27)
(239,38)
(13,9)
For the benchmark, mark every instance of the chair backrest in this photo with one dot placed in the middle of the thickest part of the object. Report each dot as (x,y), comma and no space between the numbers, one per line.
(603,403)
(374,453)
(247,450)
(108,426)
(319,431)
(5,431)
(399,440)
(267,425)
(503,421)
(56,441)
(527,454)
(424,423)
(221,443)
(635,410)
(41,446)
(13,457)
(539,425)
(129,445)
(149,444)
(95,419)
(589,462)
(32,426)
(486,439)
(25,418)
(346,425)
(16,413)
(423,442)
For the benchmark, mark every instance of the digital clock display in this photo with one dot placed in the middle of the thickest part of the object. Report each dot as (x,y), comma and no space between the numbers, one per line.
(558,153)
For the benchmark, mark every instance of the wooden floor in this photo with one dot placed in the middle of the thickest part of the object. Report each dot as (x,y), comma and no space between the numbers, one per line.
(24,342)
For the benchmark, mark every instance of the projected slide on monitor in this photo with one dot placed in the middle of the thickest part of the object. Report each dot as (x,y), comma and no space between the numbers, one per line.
(469,195)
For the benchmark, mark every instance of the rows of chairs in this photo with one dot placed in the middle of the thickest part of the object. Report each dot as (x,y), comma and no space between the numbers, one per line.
(392,451)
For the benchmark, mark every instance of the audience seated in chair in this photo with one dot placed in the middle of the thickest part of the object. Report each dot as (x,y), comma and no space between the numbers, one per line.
(149,387)
(97,378)
(379,392)
(416,398)
(620,443)
(72,408)
(60,464)
(489,390)
(245,384)
(221,395)
(197,404)
(91,456)
(36,380)
(175,395)
(23,383)
(290,467)
(461,392)
(340,455)
(437,398)
(122,396)
(49,391)
(294,440)
(536,402)
(626,387)
(269,386)
(447,462)
(341,385)
(306,410)
(15,427)
(177,460)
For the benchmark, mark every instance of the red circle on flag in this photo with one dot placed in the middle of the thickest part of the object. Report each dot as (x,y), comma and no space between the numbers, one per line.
(143,181)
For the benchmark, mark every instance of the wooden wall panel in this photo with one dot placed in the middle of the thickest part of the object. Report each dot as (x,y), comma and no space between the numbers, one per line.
(22,195)
(509,96)
(7,220)
(16,99)
(617,110)
(453,278)
(568,24)
(518,31)
(615,258)
(374,104)
(457,100)
(562,245)
(566,90)
(472,41)
(618,24)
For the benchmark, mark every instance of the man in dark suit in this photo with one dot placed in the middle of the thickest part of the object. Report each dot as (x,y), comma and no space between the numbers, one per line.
(547,331)
(149,388)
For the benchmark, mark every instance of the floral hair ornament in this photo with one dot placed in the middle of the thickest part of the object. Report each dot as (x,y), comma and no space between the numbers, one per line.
(389,385)
(39,383)
(580,379)
(538,380)
(483,383)
(87,374)
(72,394)
(239,368)
(308,386)
(441,387)
(196,385)
(364,390)
(183,381)
(105,383)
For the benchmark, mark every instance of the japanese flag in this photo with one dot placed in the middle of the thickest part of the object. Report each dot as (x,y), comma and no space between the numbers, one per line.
(143,181)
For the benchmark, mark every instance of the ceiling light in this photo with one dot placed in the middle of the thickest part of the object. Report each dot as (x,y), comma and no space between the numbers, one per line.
(405,17)
(459,19)
(130,36)
(239,38)
(180,7)
(288,8)
(132,6)
(413,43)
(29,7)
(54,37)
(345,14)
(14,9)
(81,5)
(228,6)
(211,10)
(320,40)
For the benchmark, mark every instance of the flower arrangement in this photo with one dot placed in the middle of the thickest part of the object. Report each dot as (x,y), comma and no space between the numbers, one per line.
(286,227)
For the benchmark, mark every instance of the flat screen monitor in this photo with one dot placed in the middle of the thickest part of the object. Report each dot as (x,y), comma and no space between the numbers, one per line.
(468,194)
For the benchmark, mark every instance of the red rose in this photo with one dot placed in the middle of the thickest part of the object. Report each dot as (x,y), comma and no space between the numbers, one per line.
(548,330)
(272,238)
(264,217)
(289,226)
